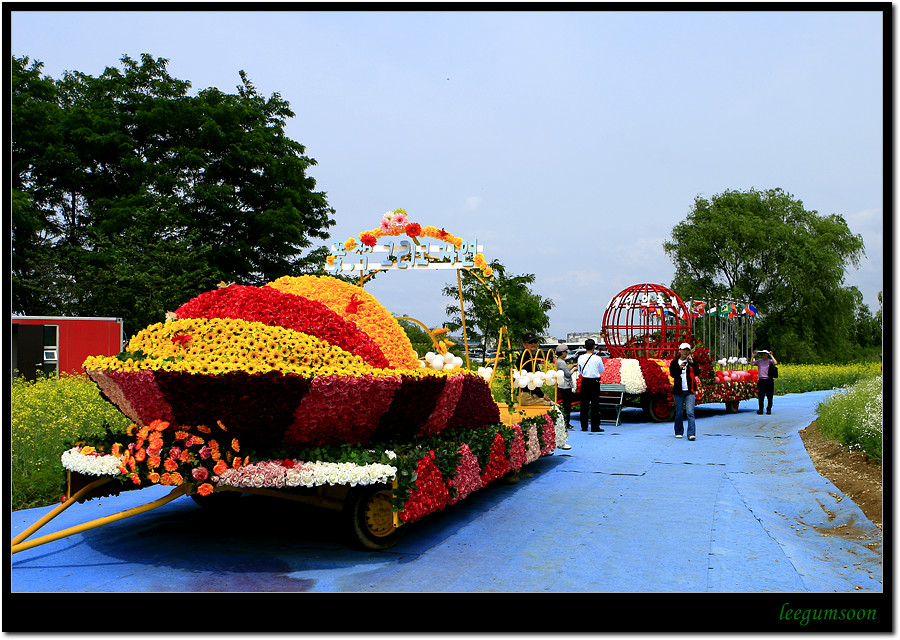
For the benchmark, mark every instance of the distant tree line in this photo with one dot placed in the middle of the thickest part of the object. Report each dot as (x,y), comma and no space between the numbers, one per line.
(130,196)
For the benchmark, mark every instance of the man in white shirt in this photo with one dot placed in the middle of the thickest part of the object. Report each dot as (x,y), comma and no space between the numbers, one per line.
(590,366)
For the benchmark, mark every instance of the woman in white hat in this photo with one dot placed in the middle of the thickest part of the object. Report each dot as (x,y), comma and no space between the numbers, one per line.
(684,372)
(765,385)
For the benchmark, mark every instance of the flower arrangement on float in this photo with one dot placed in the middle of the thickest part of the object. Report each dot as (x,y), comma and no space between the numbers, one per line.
(397,223)
(428,474)
(304,382)
(651,376)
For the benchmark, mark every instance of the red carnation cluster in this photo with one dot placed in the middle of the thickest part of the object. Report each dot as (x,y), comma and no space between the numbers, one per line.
(430,494)
(497,465)
(654,377)
(279,309)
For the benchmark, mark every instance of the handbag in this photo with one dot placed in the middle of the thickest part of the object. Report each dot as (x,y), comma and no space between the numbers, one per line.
(773,370)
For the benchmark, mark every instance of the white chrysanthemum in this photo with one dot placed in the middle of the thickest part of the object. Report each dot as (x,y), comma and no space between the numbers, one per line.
(559,426)
(631,376)
(74,460)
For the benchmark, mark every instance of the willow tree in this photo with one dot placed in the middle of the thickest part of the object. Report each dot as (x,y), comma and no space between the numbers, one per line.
(764,246)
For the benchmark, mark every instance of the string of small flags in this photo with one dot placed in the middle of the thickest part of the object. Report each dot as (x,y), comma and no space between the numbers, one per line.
(699,308)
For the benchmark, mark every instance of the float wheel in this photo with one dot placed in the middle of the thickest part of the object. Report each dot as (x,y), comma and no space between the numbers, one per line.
(658,408)
(371,518)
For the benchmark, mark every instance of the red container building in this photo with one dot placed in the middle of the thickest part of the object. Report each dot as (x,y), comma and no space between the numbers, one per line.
(56,344)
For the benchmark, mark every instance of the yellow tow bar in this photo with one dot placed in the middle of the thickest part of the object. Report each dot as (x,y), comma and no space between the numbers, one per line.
(18,543)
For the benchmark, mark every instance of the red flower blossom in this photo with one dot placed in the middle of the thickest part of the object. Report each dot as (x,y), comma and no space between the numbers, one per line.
(181,339)
(413,229)
(353,304)
(369,240)
(200,473)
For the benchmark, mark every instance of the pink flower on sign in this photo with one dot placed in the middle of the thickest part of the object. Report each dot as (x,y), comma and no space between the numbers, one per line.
(205,452)
(399,220)
(200,473)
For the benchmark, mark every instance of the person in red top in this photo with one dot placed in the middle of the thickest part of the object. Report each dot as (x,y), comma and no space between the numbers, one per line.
(684,372)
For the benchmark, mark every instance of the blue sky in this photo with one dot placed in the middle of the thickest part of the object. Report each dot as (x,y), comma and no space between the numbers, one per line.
(568,143)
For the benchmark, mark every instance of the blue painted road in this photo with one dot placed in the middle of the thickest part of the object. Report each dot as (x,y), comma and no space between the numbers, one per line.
(632,509)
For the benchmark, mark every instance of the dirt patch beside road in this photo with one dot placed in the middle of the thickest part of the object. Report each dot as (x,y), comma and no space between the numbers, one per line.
(858,476)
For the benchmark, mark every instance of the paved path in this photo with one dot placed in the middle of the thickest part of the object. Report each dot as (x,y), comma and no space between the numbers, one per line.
(633,509)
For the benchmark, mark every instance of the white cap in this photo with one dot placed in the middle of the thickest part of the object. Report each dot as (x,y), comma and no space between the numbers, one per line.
(684,345)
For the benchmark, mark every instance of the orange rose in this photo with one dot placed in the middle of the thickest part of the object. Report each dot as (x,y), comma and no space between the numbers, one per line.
(153,477)
(220,467)
(170,465)
(235,445)
(205,489)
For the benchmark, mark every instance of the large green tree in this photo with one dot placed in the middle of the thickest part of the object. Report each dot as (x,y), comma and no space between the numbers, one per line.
(523,311)
(764,246)
(130,196)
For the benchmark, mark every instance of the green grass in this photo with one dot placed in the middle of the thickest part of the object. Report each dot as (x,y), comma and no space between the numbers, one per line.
(854,416)
(48,416)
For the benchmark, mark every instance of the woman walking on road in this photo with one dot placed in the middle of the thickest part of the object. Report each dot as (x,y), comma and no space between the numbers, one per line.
(765,386)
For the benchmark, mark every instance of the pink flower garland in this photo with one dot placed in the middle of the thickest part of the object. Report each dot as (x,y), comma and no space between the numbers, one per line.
(467,477)
(612,371)
(341,409)
(533,448)
(430,494)
(549,435)
(267,473)
(518,454)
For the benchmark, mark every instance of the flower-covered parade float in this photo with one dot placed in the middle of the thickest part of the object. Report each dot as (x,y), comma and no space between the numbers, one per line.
(643,326)
(308,389)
